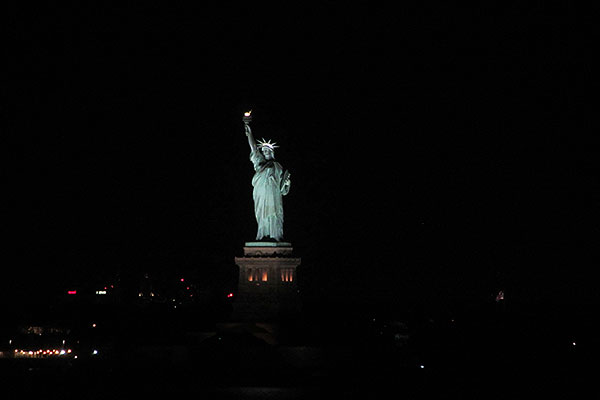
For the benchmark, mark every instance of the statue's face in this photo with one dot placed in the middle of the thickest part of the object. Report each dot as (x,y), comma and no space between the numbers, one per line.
(268,153)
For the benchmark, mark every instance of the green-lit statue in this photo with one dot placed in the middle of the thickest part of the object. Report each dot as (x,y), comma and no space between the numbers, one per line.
(270,184)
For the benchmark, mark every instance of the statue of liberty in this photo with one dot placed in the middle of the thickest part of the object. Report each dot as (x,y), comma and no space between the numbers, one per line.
(270,183)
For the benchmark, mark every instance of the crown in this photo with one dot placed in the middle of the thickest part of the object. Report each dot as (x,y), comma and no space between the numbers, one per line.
(267,144)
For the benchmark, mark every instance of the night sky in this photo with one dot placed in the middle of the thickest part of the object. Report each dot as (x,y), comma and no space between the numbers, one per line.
(433,152)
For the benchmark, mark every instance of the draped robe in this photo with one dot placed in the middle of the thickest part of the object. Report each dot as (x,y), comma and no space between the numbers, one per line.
(267,194)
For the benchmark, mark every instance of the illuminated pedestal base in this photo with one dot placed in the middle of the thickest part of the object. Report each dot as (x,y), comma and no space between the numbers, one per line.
(267,286)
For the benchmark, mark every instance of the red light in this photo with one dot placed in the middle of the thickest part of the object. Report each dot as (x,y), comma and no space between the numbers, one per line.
(71,291)
(229,295)
(188,288)
(181,279)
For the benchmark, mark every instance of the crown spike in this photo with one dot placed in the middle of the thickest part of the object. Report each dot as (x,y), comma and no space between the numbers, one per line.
(267,143)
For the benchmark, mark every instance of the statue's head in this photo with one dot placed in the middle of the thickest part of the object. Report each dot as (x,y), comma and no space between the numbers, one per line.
(268,153)
(267,148)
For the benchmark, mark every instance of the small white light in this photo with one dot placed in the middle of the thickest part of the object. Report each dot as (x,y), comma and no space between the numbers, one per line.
(95,352)
(422,366)
(574,344)
(62,352)
(75,357)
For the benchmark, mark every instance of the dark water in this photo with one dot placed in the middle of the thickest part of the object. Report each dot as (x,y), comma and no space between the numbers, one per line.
(489,355)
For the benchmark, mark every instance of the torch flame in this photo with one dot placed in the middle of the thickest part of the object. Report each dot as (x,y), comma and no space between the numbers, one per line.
(247,113)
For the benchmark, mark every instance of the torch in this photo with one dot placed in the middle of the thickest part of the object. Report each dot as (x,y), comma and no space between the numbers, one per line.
(247,117)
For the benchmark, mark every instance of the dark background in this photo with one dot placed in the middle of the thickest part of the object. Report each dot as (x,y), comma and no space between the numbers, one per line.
(436,154)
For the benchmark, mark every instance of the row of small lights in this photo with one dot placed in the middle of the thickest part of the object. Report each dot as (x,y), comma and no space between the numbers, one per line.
(49,352)
(112,286)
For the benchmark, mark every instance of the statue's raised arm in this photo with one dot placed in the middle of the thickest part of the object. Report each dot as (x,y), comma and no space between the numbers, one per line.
(247,118)
(251,140)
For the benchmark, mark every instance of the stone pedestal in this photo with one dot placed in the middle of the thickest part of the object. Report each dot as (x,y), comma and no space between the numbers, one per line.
(267,286)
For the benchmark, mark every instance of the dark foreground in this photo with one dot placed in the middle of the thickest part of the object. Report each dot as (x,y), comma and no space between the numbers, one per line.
(486,353)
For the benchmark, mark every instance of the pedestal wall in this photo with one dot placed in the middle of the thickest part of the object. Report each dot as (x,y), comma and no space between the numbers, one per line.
(267,286)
